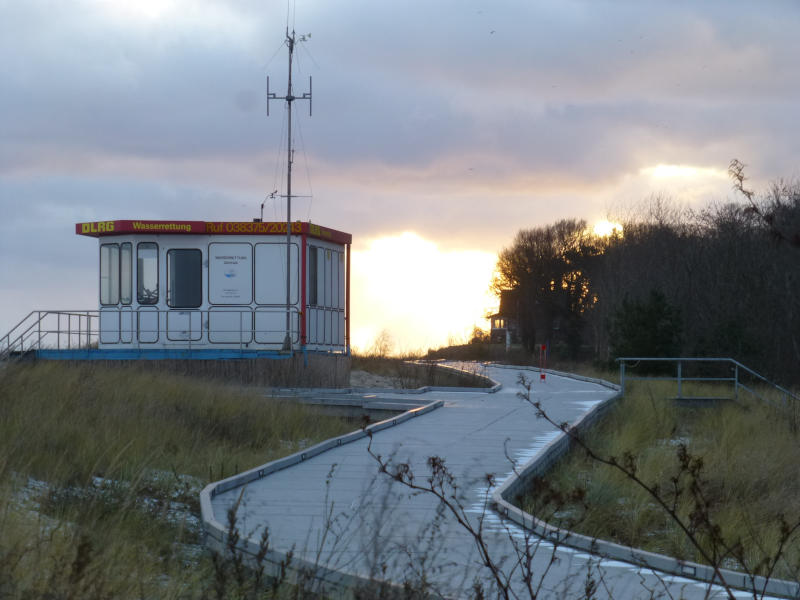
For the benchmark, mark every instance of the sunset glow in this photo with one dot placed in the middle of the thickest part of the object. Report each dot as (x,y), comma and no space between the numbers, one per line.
(157,109)
(607,228)
(421,295)
(662,171)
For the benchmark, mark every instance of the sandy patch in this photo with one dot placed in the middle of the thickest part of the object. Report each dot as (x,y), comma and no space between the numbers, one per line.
(364,379)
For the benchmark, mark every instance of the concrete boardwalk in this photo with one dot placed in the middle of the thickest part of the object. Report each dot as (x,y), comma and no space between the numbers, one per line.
(336,511)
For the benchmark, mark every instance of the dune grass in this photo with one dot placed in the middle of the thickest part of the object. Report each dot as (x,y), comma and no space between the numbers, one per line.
(518,355)
(749,452)
(100,470)
(411,372)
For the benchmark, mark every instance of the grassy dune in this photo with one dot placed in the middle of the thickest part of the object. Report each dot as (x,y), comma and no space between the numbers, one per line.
(100,470)
(749,453)
(411,372)
(517,355)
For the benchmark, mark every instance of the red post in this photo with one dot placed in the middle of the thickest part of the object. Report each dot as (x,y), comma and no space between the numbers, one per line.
(303,288)
(542,360)
(347,303)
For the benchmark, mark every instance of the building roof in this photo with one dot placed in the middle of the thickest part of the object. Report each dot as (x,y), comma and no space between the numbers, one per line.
(151,227)
(509,303)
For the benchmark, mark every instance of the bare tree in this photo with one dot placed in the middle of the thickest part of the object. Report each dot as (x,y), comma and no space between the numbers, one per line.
(782,199)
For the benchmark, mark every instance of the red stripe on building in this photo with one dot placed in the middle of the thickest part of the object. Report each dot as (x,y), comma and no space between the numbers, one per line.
(150,227)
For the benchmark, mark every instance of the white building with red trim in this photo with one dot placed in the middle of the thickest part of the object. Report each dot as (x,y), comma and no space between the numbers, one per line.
(221,285)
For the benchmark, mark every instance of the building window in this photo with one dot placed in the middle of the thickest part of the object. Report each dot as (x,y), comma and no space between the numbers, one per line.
(109,274)
(184,278)
(147,273)
(230,273)
(313,270)
(125,273)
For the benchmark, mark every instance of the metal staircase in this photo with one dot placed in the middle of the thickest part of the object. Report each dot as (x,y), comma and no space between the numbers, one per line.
(52,329)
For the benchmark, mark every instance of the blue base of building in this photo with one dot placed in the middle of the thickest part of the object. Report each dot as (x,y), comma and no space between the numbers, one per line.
(160,354)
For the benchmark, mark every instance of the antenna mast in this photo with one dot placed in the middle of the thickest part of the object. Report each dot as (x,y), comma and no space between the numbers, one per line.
(289,97)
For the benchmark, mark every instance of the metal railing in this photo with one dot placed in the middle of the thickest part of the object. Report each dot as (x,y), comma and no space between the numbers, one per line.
(738,375)
(62,329)
(86,329)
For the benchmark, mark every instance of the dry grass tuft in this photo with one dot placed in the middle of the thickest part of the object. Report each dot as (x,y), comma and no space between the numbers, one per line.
(405,374)
(100,470)
(749,451)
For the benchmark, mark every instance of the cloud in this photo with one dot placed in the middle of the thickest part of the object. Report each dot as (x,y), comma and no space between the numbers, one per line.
(459,120)
(407,85)
(549,86)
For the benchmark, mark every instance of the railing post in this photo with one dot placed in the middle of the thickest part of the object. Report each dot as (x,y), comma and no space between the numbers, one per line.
(622,377)
(680,392)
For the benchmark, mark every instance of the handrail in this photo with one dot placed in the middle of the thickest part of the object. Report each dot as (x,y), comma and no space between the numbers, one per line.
(5,341)
(738,367)
(28,333)
(60,330)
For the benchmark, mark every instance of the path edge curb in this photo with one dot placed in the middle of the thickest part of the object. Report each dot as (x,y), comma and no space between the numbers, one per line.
(216,533)
(552,452)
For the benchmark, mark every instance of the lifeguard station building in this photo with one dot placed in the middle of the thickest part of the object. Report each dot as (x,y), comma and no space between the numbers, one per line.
(202,290)
(188,290)
(221,285)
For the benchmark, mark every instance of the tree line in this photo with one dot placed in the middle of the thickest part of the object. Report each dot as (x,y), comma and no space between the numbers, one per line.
(721,281)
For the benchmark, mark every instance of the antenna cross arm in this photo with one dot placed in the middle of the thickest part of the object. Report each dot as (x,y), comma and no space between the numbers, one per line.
(289,97)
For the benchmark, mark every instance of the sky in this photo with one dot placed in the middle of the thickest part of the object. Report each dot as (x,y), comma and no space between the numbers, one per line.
(439,129)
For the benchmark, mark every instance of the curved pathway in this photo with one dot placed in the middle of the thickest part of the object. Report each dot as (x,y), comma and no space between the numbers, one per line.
(348,522)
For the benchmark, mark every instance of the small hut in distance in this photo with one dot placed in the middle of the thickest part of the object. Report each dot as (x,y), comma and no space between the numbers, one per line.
(505,322)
